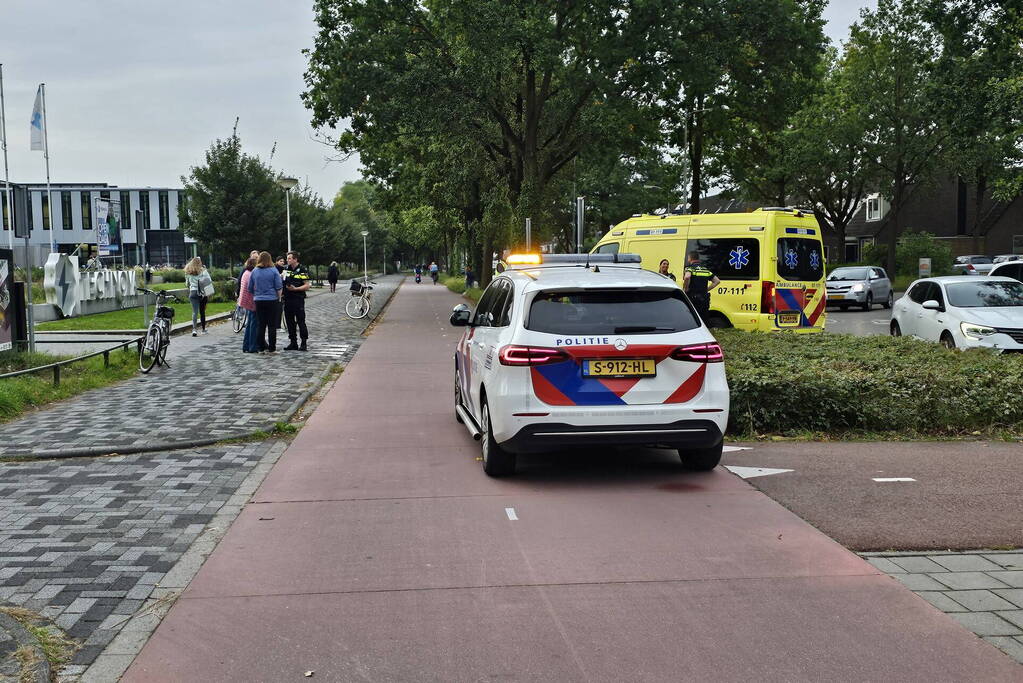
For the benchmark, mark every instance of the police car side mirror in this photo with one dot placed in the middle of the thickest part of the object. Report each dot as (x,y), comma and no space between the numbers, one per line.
(460,315)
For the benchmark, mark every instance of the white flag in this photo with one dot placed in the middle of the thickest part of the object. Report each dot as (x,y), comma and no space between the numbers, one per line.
(37,121)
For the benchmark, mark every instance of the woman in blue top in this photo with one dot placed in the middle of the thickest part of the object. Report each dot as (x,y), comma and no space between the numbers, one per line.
(266,285)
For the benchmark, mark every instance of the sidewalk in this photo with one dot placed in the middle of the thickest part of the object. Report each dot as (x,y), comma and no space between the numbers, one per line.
(211,391)
(376,549)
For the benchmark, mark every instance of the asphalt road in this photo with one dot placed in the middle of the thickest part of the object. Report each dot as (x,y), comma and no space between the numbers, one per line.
(376,549)
(963,495)
(858,322)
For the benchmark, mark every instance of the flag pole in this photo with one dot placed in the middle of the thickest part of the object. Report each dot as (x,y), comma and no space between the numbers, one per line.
(46,155)
(7,175)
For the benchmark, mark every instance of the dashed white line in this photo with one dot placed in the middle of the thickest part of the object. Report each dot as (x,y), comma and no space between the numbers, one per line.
(888,479)
(511,514)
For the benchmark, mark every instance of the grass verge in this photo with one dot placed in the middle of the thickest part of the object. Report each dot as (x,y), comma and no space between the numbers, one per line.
(840,386)
(457,285)
(21,394)
(127,319)
(56,646)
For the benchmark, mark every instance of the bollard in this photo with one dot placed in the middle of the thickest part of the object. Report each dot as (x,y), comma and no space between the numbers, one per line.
(56,375)
(106,359)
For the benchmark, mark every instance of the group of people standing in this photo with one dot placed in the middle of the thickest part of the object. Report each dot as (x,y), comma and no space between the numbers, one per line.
(268,290)
(698,282)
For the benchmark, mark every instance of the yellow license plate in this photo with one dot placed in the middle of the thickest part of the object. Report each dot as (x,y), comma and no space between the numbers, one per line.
(836,296)
(788,318)
(632,367)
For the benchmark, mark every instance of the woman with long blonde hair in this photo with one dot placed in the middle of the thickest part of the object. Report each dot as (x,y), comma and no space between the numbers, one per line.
(198,280)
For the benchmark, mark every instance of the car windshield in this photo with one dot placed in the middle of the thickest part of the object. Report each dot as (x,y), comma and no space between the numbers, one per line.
(985,294)
(611,312)
(848,274)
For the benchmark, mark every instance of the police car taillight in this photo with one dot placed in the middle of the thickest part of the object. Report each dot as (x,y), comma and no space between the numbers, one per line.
(529,355)
(699,353)
(767,298)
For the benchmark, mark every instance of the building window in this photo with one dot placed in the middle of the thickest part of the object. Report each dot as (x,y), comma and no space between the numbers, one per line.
(126,211)
(86,210)
(65,209)
(164,210)
(45,201)
(31,218)
(6,217)
(104,195)
(877,207)
(144,207)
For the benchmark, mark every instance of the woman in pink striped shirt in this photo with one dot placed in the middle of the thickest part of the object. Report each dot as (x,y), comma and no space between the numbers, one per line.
(250,344)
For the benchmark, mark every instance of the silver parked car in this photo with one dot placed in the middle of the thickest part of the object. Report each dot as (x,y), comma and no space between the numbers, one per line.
(973,265)
(861,286)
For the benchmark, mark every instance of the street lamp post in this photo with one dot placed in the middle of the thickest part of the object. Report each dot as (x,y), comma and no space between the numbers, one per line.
(365,266)
(287,184)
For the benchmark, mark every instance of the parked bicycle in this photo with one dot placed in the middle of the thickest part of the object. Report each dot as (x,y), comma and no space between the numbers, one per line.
(358,306)
(239,316)
(154,347)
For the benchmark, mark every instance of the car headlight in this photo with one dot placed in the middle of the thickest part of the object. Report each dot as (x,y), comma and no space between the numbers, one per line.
(858,287)
(975,331)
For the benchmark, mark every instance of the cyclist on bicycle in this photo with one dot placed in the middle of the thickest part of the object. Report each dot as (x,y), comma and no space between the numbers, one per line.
(434,271)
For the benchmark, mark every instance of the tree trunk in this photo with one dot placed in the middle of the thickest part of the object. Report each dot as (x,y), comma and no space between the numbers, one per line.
(486,270)
(895,224)
(695,158)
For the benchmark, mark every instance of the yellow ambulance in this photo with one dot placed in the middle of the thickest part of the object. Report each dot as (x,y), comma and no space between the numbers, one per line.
(770,263)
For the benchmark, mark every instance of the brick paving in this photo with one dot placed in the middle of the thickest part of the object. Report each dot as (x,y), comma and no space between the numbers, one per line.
(982,590)
(212,392)
(86,541)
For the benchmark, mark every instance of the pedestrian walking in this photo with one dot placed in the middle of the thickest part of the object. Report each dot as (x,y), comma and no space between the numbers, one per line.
(697,283)
(296,282)
(265,285)
(200,288)
(663,270)
(332,275)
(282,265)
(469,277)
(250,343)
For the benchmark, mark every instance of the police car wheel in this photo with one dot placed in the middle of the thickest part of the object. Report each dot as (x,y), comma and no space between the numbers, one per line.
(701,459)
(896,330)
(497,462)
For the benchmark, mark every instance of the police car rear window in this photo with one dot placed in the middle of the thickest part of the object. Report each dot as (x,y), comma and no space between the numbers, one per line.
(611,312)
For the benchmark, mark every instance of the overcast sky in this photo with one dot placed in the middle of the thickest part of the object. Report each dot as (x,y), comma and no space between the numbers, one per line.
(136,91)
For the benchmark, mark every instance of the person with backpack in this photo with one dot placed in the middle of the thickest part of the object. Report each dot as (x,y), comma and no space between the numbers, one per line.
(200,289)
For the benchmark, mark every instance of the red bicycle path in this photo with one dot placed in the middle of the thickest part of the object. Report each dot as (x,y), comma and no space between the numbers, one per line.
(377,550)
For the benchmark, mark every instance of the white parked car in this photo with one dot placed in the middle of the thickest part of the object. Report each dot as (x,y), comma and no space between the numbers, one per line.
(1013,269)
(562,354)
(963,312)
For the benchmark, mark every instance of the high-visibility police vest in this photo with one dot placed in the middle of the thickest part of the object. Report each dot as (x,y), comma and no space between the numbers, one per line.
(699,280)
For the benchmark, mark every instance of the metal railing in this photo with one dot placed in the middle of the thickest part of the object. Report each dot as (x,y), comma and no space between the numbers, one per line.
(59,364)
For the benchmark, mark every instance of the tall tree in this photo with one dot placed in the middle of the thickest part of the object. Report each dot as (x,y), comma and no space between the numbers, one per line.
(890,59)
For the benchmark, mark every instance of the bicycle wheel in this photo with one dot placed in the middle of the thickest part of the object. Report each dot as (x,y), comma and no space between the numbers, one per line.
(238,318)
(150,349)
(356,307)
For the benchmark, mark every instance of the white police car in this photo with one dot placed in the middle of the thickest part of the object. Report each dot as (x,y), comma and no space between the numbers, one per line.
(587,350)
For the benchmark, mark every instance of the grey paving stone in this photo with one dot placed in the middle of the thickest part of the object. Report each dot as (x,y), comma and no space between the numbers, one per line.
(885,565)
(942,601)
(980,601)
(1012,578)
(917,565)
(918,582)
(968,580)
(965,563)
(1010,646)
(1013,616)
(986,624)
(1013,595)
(1007,560)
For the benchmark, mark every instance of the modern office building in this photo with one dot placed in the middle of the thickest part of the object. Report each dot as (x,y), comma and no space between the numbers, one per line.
(148,219)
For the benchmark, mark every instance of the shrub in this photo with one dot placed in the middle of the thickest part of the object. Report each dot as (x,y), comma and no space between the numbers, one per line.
(837,384)
(171,274)
(457,285)
(912,246)
(224,291)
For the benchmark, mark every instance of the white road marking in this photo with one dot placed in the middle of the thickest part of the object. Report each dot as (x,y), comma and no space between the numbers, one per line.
(732,449)
(750,472)
(880,322)
(511,514)
(887,479)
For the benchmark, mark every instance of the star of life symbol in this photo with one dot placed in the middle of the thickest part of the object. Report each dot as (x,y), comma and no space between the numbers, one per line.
(815,260)
(738,257)
(791,259)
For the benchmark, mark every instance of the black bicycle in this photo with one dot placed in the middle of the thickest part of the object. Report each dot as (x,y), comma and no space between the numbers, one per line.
(154,346)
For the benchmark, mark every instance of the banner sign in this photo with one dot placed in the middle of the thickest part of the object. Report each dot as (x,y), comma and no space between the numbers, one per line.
(6,303)
(925,267)
(108,226)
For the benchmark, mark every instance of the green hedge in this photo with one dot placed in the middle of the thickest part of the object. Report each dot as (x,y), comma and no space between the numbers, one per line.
(835,384)
(457,285)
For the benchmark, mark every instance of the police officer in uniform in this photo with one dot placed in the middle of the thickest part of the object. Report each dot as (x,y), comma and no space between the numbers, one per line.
(296,282)
(697,283)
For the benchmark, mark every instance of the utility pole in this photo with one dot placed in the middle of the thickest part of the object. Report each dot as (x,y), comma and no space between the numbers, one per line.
(580,208)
